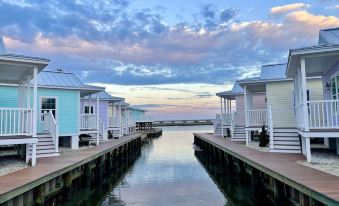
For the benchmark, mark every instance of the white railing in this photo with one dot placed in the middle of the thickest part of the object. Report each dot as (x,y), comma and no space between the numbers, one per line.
(101,129)
(270,125)
(217,121)
(226,119)
(256,118)
(54,130)
(323,114)
(232,123)
(88,121)
(16,121)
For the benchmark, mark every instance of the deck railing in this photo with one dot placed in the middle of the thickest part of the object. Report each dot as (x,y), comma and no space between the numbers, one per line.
(323,114)
(256,118)
(88,121)
(16,121)
(226,119)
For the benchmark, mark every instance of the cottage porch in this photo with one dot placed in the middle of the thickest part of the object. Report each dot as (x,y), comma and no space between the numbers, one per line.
(316,117)
(18,124)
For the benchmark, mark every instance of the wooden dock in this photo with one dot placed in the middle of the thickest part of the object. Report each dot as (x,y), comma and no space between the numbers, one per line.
(17,183)
(316,184)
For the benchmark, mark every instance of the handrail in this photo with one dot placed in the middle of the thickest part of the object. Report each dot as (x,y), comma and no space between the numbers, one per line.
(232,124)
(54,130)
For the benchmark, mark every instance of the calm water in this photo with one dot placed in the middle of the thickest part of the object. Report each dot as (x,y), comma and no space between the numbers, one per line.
(168,172)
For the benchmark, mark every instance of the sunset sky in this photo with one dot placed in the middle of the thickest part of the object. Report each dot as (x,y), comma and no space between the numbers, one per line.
(169,57)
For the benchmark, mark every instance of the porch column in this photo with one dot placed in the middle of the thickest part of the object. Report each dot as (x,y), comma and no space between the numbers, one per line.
(35,103)
(304,94)
(246,108)
(28,104)
(112,121)
(33,154)
(221,108)
(98,122)
(308,149)
(225,105)
(120,121)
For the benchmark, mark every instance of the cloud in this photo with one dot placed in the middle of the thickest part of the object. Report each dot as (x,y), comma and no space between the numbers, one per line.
(288,8)
(112,43)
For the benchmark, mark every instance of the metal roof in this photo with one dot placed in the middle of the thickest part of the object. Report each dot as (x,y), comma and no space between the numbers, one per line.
(237,89)
(273,71)
(329,36)
(64,80)
(136,108)
(59,79)
(106,96)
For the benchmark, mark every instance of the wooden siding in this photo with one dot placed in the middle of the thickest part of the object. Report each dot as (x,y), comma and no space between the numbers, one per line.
(67,106)
(280,96)
(103,109)
(67,109)
(258,103)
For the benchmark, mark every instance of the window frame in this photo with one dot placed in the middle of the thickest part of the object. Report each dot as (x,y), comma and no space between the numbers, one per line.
(56,107)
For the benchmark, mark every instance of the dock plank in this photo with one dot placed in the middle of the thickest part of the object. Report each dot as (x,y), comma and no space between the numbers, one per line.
(284,167)
(49,167)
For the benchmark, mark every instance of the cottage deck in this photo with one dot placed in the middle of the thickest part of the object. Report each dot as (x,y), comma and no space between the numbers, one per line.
(48,168)
(314,183)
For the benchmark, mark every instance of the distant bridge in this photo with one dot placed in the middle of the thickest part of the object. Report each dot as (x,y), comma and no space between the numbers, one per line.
(183,122)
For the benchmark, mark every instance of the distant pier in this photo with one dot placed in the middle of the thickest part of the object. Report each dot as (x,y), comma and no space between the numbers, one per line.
(183,122)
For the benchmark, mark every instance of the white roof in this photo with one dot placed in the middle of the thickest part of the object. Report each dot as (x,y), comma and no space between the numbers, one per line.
(329,36)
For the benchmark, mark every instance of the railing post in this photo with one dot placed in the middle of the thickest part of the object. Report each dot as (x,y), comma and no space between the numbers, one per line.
(270,125)
(57,138)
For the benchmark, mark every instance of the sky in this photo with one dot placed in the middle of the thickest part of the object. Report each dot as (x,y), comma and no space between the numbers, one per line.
(168,57)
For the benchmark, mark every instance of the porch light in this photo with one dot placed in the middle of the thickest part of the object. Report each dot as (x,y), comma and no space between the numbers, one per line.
(327,86)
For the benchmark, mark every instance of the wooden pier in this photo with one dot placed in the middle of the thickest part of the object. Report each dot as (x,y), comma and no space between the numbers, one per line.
(52,175)
(289,180)
(183,122)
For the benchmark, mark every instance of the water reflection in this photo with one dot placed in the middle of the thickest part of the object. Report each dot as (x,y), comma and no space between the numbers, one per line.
(168,172)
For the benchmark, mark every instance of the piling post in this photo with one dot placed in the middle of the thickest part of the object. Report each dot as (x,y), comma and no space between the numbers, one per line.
(99,168)
(67,194)
(87,175)
(40,195)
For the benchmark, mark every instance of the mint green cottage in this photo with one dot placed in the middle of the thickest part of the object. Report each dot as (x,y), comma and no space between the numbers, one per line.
(58,108)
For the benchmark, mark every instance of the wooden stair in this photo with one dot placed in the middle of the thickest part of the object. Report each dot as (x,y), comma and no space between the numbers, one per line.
(239,133)
(45,146)
(286,140)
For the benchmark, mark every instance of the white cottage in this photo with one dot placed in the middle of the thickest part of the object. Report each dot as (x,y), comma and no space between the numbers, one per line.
(278,114)
(316,117)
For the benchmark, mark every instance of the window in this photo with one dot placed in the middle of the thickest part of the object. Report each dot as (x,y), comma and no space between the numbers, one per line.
(87,111)
(334,87)
(48,105)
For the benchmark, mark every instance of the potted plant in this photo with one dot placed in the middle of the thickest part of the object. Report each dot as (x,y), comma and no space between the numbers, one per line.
(263,137)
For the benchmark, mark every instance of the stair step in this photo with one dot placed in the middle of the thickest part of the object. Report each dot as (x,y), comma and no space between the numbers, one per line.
(285,151)
(284,134)
(286,143)
(286,138)
(294,130)
(287,147)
